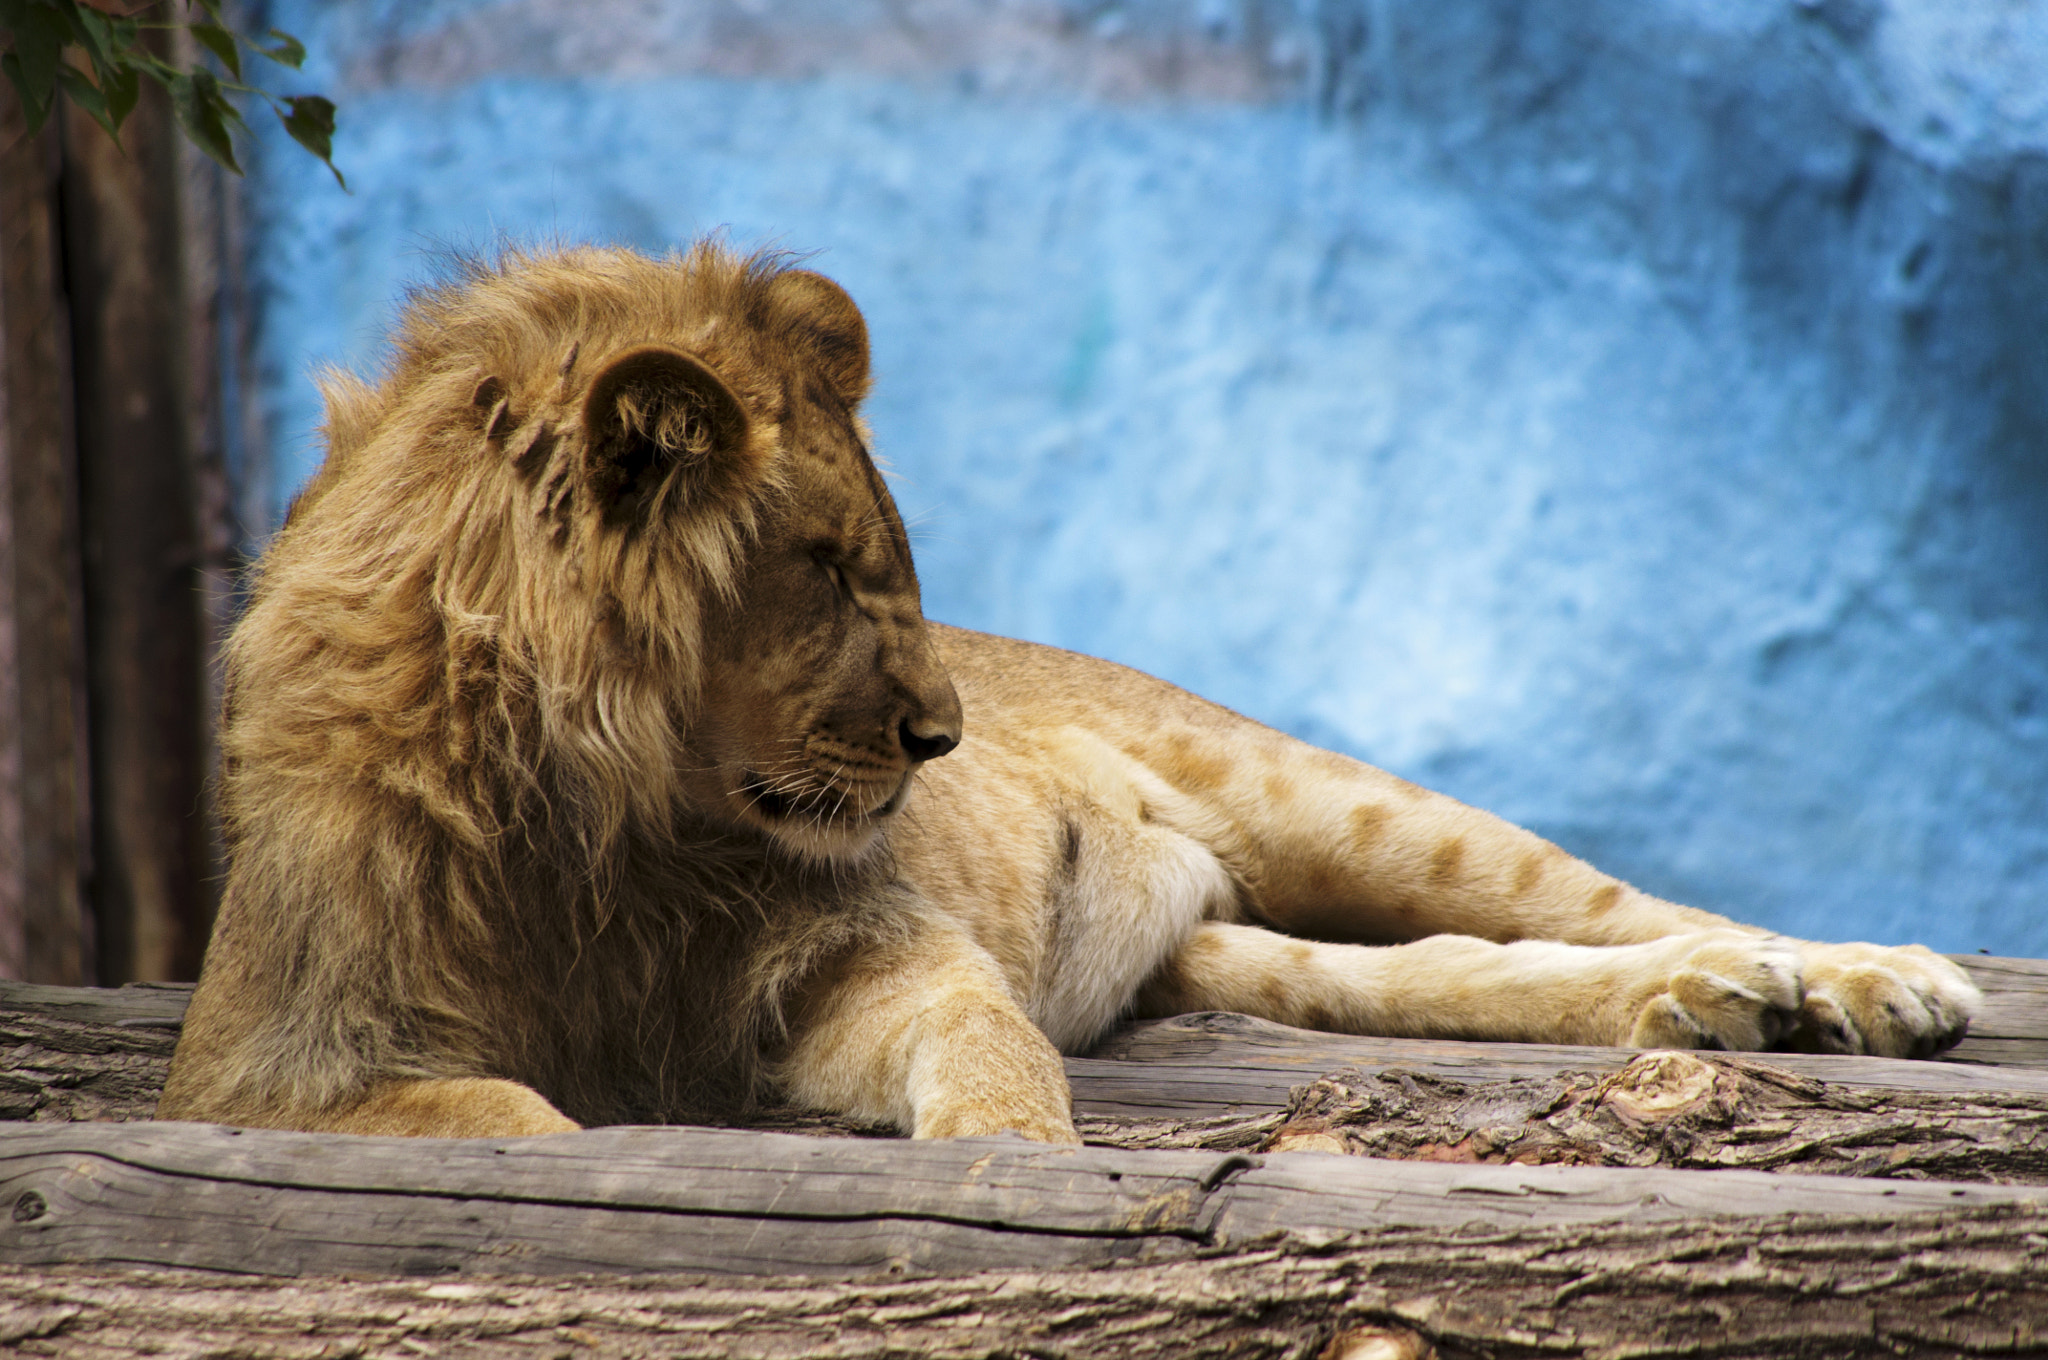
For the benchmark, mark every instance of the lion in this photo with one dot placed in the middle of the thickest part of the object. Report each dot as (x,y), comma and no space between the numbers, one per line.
(587,758)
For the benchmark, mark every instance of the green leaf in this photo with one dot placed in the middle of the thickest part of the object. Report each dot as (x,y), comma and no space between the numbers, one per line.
(221,43)
(89,31)
(89,97)
(39,37)
(122,87)
(122,36)
(33,110)
(197,100)
(39,32)
(311,125)
(288,51)
(227,111)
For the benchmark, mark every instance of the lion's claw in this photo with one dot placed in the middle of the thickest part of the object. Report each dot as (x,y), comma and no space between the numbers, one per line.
(1752,992)
(1903,1002)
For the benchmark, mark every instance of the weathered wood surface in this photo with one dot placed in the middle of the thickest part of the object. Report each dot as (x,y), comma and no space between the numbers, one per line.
(1968,1283)
(86,1052)
(530,1246)
(145,643)
(730,1202)
(44,819)
(2013,1030)
(1682,1110)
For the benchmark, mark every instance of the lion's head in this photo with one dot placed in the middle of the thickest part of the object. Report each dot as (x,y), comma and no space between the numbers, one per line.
(611,528)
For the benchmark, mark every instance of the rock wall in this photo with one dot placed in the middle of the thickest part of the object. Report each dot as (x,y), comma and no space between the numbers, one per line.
(1630,415)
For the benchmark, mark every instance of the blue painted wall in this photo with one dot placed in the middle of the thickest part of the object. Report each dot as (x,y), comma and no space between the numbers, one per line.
(1629,415)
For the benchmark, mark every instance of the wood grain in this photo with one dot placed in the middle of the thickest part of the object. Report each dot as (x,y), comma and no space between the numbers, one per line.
(719,1202)
(1217,1062)
(1683,1110)
(45,823)
(71,1053)
(151,879)
(1967,1283)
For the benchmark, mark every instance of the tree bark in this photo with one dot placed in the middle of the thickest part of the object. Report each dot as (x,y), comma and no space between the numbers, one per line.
(1957,1284)
(78,1053)
(1681,1110)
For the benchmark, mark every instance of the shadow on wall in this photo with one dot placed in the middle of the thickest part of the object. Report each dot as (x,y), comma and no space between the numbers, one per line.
(1628,415)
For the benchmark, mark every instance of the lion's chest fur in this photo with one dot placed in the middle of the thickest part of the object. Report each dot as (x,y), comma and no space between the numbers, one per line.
(664,991)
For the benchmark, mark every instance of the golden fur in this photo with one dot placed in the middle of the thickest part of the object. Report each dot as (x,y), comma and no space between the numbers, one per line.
(570,734)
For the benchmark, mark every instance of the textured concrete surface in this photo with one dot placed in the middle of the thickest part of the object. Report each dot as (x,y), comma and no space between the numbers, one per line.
(1630,415)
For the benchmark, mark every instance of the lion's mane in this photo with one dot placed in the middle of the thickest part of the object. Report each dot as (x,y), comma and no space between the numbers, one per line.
(459,704)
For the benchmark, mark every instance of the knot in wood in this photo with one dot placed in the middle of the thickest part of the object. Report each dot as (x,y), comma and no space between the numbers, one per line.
(1658,1086)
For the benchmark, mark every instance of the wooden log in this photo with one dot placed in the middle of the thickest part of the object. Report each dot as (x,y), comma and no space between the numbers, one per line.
(1945,1285)
(1228,1082)
(1220,1060)
(729,1202)
(2013,1029)
(1218,1080)
(1677,1110)
(71,1053)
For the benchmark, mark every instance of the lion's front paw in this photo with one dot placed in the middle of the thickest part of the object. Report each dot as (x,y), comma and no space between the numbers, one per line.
(975,1118)
(1892,1002)
(1722,990)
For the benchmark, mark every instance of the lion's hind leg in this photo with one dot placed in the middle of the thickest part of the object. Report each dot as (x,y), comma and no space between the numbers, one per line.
(1714,989)
(1143,866)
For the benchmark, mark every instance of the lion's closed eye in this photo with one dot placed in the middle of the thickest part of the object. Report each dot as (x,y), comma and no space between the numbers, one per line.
(828,560)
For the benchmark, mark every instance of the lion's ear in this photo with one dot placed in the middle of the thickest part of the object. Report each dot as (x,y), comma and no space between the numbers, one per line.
(654,412)
(825,319)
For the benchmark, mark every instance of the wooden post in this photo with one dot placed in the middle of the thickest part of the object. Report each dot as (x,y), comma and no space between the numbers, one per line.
(144,588)
(45,928)
(117,544)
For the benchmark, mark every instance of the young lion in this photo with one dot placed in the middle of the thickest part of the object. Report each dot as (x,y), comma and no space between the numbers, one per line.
(583,764)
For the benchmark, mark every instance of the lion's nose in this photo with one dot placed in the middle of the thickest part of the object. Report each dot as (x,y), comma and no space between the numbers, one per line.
(926,745)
